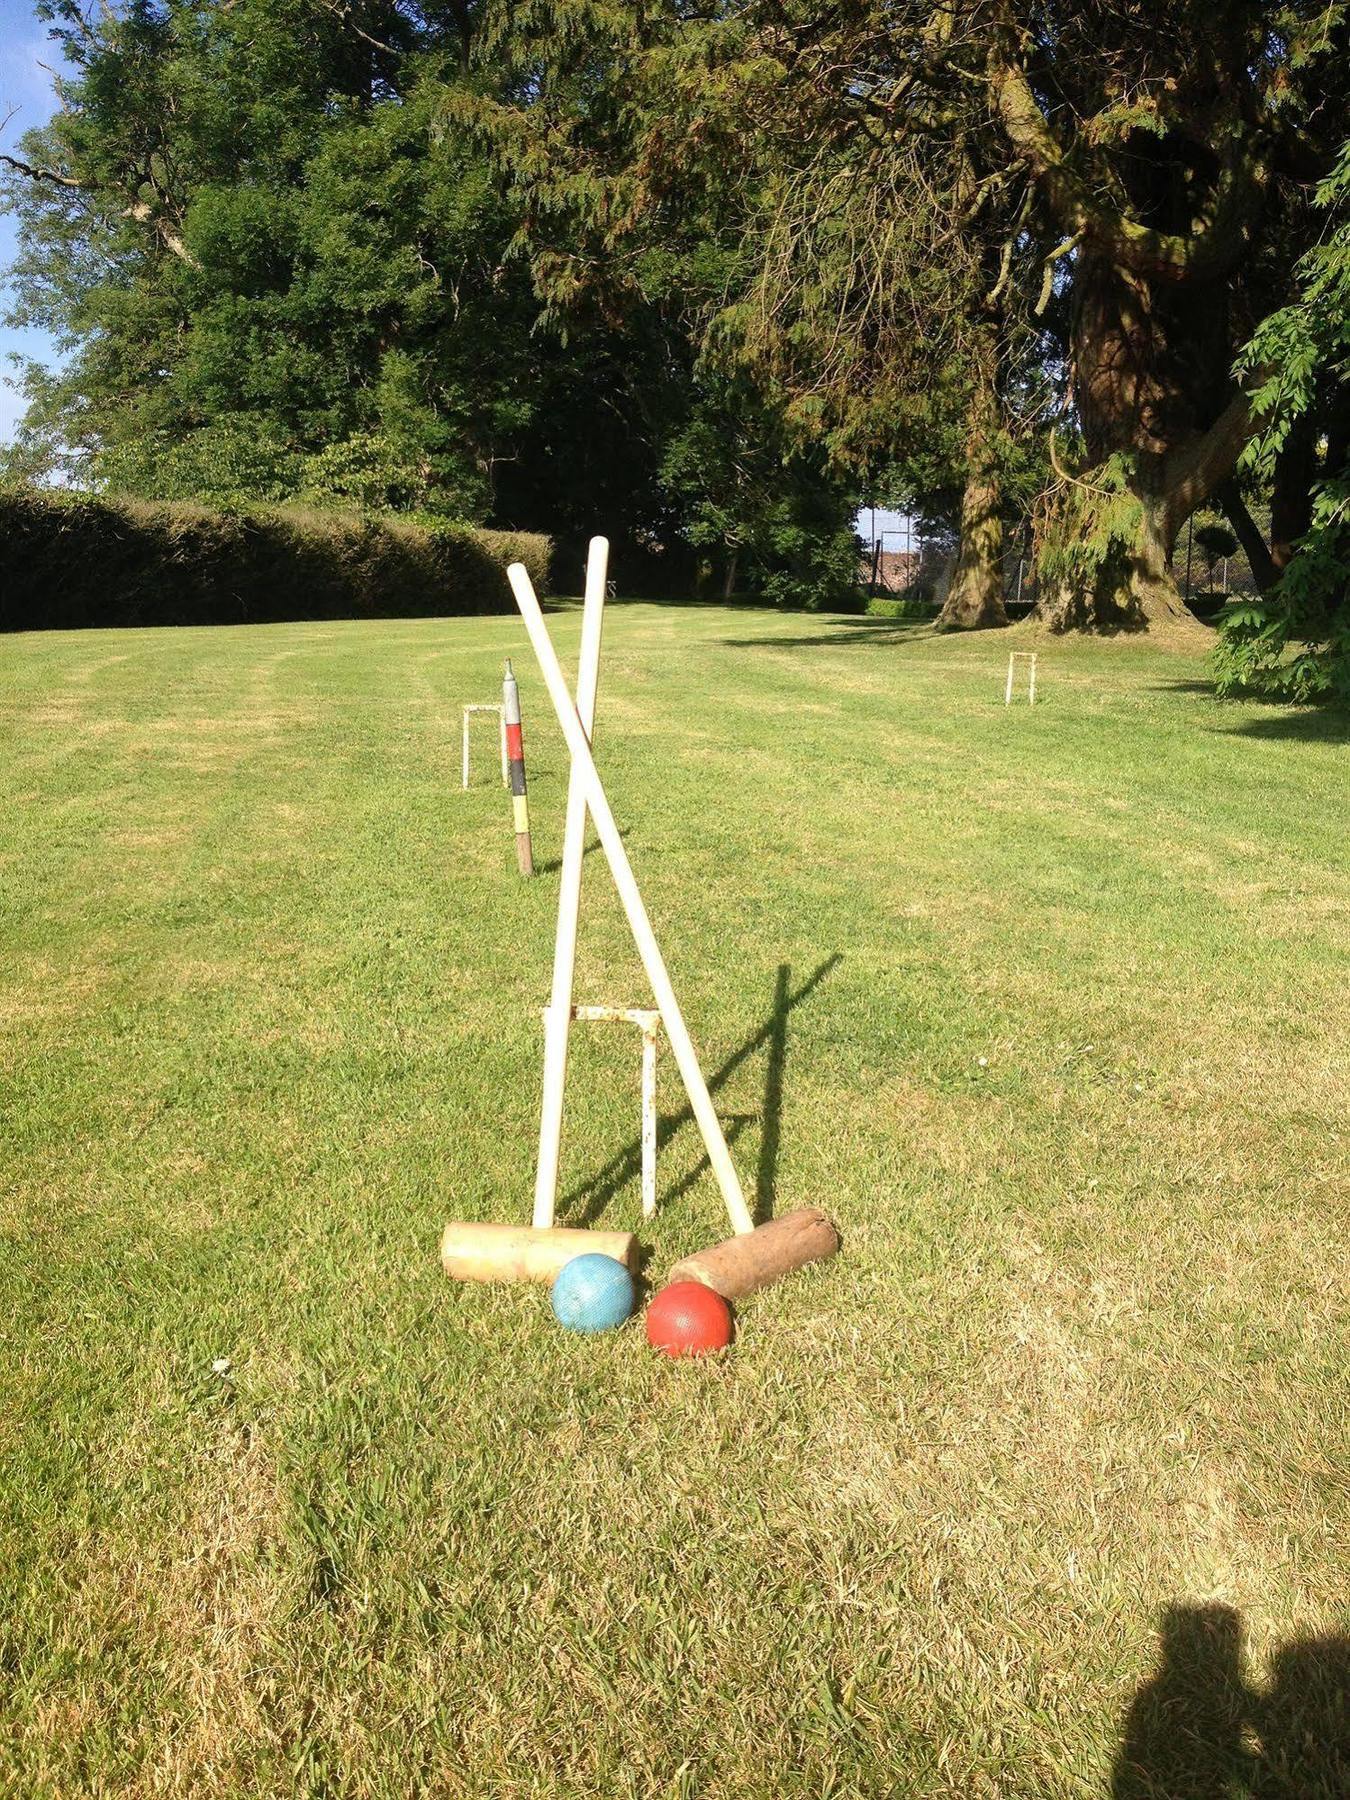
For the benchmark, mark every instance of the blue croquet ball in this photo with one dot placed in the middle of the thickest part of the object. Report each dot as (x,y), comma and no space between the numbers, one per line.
(592,1293)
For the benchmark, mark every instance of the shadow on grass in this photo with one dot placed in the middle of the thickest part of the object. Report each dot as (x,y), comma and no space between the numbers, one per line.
(835,628)
(554,864)
(855,633)
(748,603)
(1306,725)
(585,1203)
(1313,724)
(1196,1730)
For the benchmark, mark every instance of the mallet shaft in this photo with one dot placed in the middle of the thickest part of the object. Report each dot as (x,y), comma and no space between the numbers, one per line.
(558,1020)
(681,1045)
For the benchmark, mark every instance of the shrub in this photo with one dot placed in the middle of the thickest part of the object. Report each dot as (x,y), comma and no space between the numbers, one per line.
(1294,643)
(901,606)
(532,548)
(74,560)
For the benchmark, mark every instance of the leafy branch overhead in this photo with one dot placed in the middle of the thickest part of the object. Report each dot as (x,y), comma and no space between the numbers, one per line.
(1296,643)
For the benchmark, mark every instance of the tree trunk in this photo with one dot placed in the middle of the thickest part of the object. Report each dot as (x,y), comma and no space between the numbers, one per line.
(1248,535)
(1163,430)
(729,572)
(975,597)
(1106,537)
(1105,558)
(1158,215)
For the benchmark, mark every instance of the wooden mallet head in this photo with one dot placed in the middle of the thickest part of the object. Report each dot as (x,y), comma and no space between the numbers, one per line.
(474,1252)
(752,1260)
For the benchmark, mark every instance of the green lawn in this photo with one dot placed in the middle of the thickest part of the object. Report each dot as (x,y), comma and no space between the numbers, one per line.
(1048,1007)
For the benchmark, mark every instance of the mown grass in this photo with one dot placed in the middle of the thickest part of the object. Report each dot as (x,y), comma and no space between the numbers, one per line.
(1048,1007)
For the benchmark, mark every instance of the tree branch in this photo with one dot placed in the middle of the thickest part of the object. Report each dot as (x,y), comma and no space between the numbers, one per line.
(1048,274)
(1195,469)
(1172,256)
(139,210)
(344,13)
(35,172)
(145,214)
(1062,474)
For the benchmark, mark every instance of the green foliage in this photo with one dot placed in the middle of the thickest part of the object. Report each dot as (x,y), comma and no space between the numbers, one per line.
(74,560)
(1087,531)
(1295,643)
(693,159)
(811,567)
(316,296)
(901,606)
(776,512)
(237,459)
(624,215)
(307,298)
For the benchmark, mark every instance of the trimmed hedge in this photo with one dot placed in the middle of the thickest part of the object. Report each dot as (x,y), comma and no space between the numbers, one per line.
(901,606)
(73,560)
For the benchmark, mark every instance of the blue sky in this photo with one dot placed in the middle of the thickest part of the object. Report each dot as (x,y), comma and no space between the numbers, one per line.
(27,87)
(887,524)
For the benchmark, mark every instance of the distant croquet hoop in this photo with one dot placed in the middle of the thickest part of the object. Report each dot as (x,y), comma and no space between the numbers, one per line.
(648,1022)
(1029,658)
(491,706)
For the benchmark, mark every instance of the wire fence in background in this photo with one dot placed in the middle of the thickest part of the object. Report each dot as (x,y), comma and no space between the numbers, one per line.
(1208,570)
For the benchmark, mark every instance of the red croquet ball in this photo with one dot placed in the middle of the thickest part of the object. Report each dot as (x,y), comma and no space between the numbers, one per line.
(688,1319)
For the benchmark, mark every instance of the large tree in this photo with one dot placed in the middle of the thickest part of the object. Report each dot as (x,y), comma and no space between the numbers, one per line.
(727,163)
(284,269)
(285,238)
(1170,144)
(579,106)
(1155,158)
(890,168)
(894,240)
(272,276)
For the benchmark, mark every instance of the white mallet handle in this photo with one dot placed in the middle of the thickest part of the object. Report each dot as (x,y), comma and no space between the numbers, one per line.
(558,1022)
(682,1047)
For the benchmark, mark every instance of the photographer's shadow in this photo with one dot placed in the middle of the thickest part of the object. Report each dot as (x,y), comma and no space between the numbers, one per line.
(1197,1730)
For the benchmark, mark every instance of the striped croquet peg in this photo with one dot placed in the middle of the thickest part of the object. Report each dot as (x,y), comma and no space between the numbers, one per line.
(515,763)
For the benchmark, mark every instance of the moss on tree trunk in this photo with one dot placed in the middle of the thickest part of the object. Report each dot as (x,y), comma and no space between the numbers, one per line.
(1163,430)
(975,598)
(1104,552)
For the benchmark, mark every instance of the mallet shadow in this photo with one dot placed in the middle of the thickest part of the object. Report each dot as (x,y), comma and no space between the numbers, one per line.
(554,864)
(585,1203)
